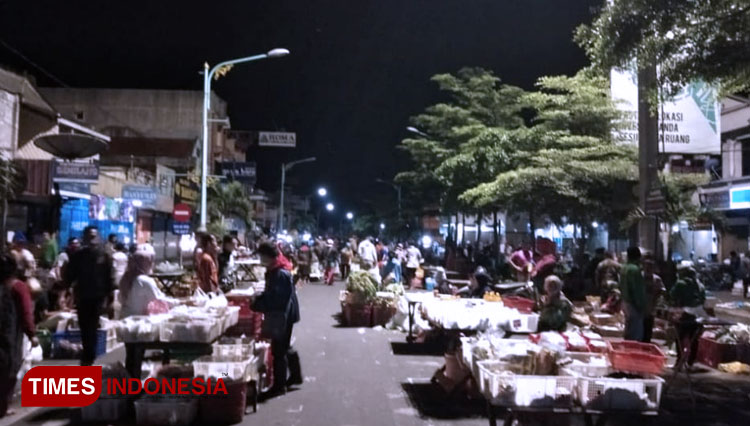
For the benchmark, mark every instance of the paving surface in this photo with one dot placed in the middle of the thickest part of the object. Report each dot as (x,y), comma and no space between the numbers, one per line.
(368,377)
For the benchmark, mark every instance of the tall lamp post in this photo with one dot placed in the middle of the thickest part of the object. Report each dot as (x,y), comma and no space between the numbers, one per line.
(285,168)
(221,68)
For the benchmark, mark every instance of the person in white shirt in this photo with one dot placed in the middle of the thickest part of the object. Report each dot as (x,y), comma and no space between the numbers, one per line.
(119,261)
(137,288)
(413,260)
(368,254)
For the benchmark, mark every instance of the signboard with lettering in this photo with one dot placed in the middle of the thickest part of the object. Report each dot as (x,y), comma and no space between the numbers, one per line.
(716,200)
(75,187)
(72,171)
(689,123)
(739,197)
(186,191)
(180,228)
(147,195)
(655,202)
(278,139)
(240,171)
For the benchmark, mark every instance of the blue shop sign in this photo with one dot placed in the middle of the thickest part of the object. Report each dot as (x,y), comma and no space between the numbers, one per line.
(739,198)
(181,228)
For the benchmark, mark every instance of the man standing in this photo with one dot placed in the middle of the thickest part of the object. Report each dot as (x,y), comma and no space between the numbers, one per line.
(91,273)
(413,260)
(281,308)
(346,261)
(111,245)
(368,254)
(633,292)
(207,270)
(654,290)
(607,275)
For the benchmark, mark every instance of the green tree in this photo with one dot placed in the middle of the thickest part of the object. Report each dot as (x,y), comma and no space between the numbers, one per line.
(688,40)
(567,162)
(228,200)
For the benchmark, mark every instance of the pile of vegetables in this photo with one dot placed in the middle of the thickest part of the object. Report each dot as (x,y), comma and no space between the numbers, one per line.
(362,287)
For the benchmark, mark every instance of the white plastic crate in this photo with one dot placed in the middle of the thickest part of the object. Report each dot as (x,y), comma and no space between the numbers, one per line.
(238,348)
(519,390)
(466,346)
(227,368)
(166,411)
(524,323)
(202,331)
(606,393)
(590,364)
(232,317)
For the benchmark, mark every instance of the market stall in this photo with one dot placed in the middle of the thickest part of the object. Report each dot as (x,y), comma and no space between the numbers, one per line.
(553,375)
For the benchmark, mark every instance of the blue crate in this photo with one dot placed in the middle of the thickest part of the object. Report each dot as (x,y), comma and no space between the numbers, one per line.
(74,336)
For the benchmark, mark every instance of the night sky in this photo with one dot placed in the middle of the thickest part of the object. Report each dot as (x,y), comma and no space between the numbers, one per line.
(358,68)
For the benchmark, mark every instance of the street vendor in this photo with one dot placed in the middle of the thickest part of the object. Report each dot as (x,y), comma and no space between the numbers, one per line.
(556,308)
(481,283)
(520,261)
(687,291)
(138,291)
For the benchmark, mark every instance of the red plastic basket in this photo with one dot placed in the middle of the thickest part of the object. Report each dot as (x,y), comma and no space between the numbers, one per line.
(636,357)
(521,303)
(713,353)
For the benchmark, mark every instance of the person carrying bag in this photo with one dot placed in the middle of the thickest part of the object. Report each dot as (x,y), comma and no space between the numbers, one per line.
(280,309)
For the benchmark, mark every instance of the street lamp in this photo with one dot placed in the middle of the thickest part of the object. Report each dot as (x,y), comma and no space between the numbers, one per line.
(285,167)
(413,129)
(322,192)
(329,207)
(207,75)
(350,215)
(382,226)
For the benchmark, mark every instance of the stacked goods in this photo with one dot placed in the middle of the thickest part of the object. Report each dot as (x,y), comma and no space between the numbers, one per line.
(357,304)
(522,373)
(725,345)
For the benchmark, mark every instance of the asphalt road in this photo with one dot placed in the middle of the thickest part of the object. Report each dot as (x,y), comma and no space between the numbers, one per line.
(368,377)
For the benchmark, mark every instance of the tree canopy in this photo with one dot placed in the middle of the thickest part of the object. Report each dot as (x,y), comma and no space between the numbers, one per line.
(688,40)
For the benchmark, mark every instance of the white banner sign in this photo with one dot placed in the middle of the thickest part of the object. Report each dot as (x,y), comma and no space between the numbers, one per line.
(688,124)
(280,139)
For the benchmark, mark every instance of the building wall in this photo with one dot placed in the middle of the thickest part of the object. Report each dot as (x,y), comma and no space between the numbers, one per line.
(8,123)
(153,113)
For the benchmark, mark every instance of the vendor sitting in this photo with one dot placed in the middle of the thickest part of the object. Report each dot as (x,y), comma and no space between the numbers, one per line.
(137,288)
(481,283)
(556,309)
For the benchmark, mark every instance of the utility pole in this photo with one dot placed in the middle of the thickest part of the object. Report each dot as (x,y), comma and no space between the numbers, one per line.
(648,157)
(285,167)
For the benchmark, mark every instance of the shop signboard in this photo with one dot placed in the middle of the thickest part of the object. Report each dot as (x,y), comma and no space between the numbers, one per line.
(715,200)
(105,208)
(739,197)
(277,139)
(655,202)
(75,188)
(146,196)
(186,191)
(689,123)
(165,178)
(244,172)
(181,228)
(72,171)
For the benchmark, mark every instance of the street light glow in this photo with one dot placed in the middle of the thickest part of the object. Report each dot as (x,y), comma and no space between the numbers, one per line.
(382,226)
(329,207)
(277,53)
(594,224)
(350,215)
(322,192)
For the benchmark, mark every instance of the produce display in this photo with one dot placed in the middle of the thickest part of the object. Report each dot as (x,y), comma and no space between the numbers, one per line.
(166,266)
(362,287)
(738,333)
(522,373)
(475,314)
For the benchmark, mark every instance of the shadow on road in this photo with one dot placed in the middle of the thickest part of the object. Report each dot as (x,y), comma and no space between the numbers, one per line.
(432,402)
(428,349)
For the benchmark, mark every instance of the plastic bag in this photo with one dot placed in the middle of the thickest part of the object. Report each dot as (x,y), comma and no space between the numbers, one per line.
(157,307)
(36,355)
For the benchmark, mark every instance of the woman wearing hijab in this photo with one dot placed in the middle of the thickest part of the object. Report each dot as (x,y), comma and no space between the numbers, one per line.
(137,288)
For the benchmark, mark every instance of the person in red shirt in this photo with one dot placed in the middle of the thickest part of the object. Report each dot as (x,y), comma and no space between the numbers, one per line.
(16,320)
(207,271)
(520,261)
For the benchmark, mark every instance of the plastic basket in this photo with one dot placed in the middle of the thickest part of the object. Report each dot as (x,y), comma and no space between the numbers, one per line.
(522,304)
(620,394)
(636,357)
(528,323)
(587,369)
(713,353)
(73,337)
(515,390)
(382,314)
(224,409)
(357,315)
(242,349)
(227,368)
(166,411)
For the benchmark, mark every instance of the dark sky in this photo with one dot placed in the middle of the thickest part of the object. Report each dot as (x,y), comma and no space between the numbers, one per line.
(358,68)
